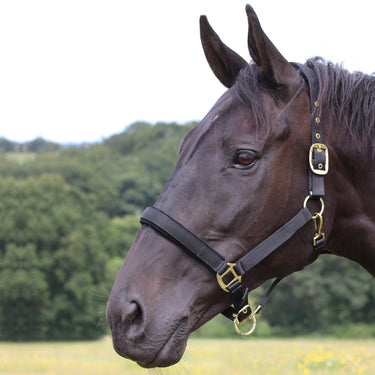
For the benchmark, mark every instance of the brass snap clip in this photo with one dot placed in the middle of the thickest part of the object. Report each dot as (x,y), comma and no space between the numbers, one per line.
(318,224)
(318,221)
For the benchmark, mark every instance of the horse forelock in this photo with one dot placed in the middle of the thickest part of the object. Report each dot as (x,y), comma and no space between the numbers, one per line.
(250,90)
(252,87)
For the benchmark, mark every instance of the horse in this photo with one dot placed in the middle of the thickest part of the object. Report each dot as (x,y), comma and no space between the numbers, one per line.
(246,200)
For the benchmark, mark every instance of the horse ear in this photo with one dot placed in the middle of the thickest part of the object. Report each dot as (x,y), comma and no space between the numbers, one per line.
(224,62)
(274,66)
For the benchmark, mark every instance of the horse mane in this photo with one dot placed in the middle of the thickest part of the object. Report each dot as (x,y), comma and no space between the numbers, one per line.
(349,98)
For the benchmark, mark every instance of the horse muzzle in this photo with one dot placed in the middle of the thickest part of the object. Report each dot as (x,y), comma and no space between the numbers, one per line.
(157,343)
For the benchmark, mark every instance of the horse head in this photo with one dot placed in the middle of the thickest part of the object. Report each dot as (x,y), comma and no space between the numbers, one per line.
(241,174)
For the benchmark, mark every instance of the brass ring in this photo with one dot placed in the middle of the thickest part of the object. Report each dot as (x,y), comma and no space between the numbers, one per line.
(237,323)
(250,331)
(321,202)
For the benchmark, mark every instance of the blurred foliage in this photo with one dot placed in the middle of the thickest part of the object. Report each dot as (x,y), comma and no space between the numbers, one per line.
(68,216)
(332,296)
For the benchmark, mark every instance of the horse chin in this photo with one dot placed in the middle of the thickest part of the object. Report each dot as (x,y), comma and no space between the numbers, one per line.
(150,352)
(172,350)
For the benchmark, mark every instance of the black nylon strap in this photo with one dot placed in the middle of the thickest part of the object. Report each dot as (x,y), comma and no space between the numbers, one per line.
(182,237)
(274,241)
(316,181)
(179,235)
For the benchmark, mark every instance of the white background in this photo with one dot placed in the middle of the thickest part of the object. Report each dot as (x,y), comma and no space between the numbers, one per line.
(81,70)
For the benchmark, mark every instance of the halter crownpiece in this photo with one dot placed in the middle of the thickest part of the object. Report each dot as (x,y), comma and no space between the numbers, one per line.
(229,275)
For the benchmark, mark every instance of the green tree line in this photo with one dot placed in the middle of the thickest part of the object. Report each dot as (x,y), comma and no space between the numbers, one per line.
(68,216)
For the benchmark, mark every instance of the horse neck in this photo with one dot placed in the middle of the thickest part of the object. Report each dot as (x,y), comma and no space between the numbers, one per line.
(350,184)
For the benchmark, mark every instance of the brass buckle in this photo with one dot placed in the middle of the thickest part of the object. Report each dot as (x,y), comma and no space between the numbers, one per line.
(321,169)
(251,317)
(220,278)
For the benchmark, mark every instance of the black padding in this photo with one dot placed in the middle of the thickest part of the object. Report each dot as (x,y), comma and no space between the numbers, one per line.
(182,237)
(274,241)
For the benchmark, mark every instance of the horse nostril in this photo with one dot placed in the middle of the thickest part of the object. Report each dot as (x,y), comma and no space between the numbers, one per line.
(132,317)
(136,319)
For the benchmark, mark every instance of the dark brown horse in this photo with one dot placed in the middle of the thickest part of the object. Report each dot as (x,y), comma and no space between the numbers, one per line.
(242,173)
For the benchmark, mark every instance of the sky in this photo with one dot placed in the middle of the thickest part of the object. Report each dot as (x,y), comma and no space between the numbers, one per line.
(76,71)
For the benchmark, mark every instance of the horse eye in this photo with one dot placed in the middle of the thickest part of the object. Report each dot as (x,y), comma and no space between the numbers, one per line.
(245,158)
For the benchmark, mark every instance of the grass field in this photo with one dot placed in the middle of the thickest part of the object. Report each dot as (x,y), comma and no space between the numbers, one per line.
(203,356)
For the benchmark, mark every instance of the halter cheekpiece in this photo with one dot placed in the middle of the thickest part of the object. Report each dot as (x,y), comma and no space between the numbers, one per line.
(229,275)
